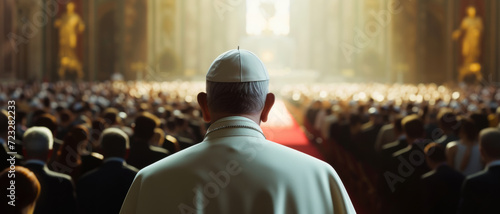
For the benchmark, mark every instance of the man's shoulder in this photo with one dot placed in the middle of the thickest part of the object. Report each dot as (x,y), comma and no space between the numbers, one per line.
(60,176)
(158,151)
(430,176)
(103,171)
(262,152)
(46,173)
(482,176)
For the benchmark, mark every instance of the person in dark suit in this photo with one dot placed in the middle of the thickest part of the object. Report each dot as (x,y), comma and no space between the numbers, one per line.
(410,165)
(388,149)
(142,153)
(441,186)
(365,139)
(344,133)
(57,192)
(449,125)
(103,190)
(481,191)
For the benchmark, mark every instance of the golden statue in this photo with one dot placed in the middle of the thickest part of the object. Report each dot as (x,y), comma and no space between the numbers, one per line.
(69,24)
(472,29)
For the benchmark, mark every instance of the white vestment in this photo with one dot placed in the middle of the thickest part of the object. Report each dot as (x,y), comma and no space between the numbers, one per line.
(235,170)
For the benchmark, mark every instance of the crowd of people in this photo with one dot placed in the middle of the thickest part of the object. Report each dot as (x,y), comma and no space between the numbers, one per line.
(398,148)
(409,148)
(85,142)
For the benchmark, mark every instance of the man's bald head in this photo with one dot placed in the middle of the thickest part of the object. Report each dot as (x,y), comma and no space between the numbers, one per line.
(489,140)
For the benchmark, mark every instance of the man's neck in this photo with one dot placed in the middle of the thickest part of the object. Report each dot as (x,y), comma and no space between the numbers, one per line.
(437,165)
(35,161)
(253,117)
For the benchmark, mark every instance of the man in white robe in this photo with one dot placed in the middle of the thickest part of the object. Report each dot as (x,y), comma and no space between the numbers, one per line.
(235,169)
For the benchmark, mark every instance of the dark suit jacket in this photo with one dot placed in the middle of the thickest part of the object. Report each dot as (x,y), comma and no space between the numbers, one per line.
(103,190)
(409,164)
(90,162)
(57,194)
(142,154)
(341,133)
(481,192)
(447,139)
(365,142)
(441,190)
(385,157)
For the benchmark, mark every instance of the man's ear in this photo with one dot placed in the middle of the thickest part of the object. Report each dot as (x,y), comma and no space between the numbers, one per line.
(267,107)
(202,101)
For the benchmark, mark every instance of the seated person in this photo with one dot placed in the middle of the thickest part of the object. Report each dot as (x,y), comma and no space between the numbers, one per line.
(57,193)
(142,153)
(481,191)
(103,190)
(441,186)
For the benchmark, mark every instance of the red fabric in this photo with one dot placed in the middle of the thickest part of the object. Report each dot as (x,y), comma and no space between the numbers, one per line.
(283,129)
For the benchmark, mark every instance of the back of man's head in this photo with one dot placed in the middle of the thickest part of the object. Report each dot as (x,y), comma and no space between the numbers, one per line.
(48,121)
(447,120)
(481,120)
(114,143)
(110,116)
(37,142)
(489,140)
(469,129)
(237,83)
(237,98)
(145,125)
(435,153)
(413,126)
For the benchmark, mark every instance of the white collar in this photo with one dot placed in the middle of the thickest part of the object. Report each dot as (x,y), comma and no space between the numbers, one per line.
(35,161)
(113,159)
(234,122)
(493,163)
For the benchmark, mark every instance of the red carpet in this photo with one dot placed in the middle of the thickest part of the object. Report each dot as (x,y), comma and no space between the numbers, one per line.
(283,129)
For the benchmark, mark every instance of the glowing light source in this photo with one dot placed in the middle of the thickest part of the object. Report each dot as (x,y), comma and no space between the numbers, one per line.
(323,94)
(296,96)
(268,15)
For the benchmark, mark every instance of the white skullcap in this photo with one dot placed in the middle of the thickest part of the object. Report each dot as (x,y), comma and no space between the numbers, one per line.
(237,65)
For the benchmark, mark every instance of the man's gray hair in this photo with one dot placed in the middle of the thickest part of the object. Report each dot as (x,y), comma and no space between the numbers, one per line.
(489,140)
(237,98)
(37,140)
